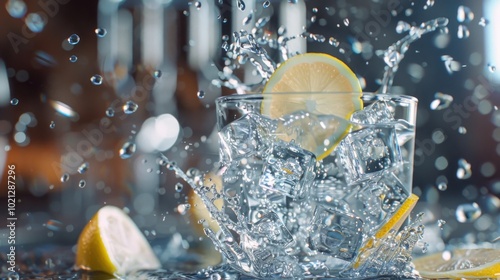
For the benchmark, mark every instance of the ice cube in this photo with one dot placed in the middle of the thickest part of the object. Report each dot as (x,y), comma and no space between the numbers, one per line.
(369,151)
(377,112)
(288,169)
(248,135)
(335,233)
(272,230)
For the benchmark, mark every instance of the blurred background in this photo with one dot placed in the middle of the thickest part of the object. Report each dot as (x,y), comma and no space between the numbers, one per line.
(92,91)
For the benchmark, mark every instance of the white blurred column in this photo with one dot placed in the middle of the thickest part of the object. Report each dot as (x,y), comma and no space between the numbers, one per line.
(293,17)
(491,39)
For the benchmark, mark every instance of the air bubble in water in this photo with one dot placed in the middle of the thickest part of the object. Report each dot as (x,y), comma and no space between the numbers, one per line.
(442,186)
(73,39)
(463,32)
(14,101)
(464,169)
(100,32)
(73,58)
(34,22)
(441,223)
(16,8)
(201,94)
(65,177)
(130,107)
(468,212)
(127,150)
(464,14)
(96,80)
(82,184)
(157,73)
(266,4)
(346,22)
(178,187)
(441,101)
(483,22)
(83,167)
(110,112)
(52,124)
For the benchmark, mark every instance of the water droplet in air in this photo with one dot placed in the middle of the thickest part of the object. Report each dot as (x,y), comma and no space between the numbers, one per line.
(13,276)
(483,22)
(16,8)
(463,32)
(82,184)
(171,165)
(425,247)
(313,19)
(178,187)
(429,3)
(110,112)
(441,223)
(215,276)
(100,32)
(96,80)
(52,124)
(441,101)
(332,41)
(402,26)
(247,19)
(464,14)
(130,107)
(241,5)
(14,101)
(450,64)
(200,94)
(464,169)
(157,73)
(346,22)
(34,22)
(462,130)
(73,39)
(442,186)
(492,68)
(266,4)
(197,4)
(83,167)
(65,177)
(467,212)
(73,58)
(127,150)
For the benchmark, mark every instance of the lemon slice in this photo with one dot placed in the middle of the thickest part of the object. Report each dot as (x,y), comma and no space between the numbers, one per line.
(113,244)
(310,75)
(199,210)
(481,263)
(394,223)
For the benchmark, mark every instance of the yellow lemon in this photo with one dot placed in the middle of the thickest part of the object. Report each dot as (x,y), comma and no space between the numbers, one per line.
(112,243)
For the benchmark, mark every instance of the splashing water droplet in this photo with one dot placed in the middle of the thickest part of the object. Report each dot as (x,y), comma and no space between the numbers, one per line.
(197,4)
(266,4)
(450,64)
(334,42)
(16,8)
(346,22)
(157,73)
(96,80)
(73,58)
(483,22)
(130,107)
(73,39)
(467,212)
(463,32)
(100,32)
(441,101)
(82,184)
(13,276)
(441,223)
(110,112)
(171,165)
(464,169)
(65,177)
(201,94)
(462,130)
(402,26)
(179,187)
(34,22)
(492,68)
(442,186)
(14,101)
(52,124)
(429,3)
(127,150)
(83,168)
(241,5)
(464,14)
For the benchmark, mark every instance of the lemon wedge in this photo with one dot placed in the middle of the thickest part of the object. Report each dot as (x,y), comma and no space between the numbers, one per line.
(394,223)
(112,243)
(480,263)
(199,210)
(310,76)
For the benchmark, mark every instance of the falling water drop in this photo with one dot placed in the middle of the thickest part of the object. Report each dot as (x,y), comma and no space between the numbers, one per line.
(201,94)
(334,42)
(171,165)
(462,130)
(82,184)
(127,150)
(464,169)
(83,168)
(197,4)
(130,107)
(52,124)
(483,22)
(266,4)
(96,80)
(468,212)
(441,223)
(110,112)
(441,101)
(73,58)
(442,186)
(179,187)
(64,177)
(16,8)
(492,68)
(100,32)
(157,73)
(463,32)
(464,14)
(402,26)
(14,101)
(241,5)
(346,22)
(73,39)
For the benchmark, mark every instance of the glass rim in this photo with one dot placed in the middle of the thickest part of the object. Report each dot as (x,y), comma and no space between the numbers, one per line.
(364,96)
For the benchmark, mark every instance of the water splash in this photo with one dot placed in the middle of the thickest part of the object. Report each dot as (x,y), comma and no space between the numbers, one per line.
(395,53)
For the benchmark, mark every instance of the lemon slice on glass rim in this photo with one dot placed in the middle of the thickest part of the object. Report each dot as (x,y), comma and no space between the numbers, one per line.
(112,243)
(310,76)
